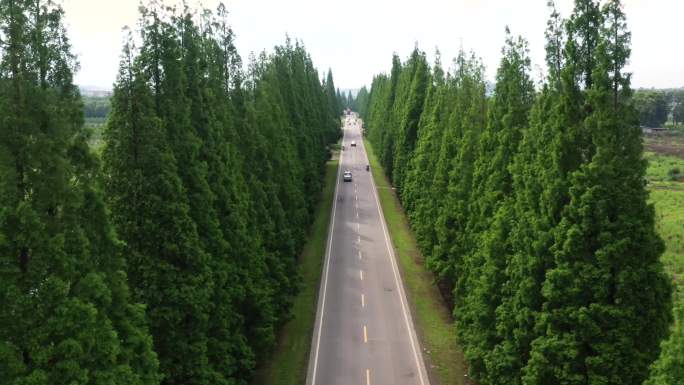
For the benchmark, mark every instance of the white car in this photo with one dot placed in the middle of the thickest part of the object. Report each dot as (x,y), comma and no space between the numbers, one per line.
(353,143)
(347,176)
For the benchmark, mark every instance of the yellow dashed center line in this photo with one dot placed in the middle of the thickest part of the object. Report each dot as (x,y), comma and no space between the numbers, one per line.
(367,376)
(363,300)
(361,274)
(365,335)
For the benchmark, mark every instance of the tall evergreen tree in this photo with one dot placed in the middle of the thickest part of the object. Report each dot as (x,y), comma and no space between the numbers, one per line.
(361,102)
(583,39)
(67,315)
(491,216)
(213,177)
(452,181)
(535,212)
(537,186)
(607,300)
(333,106)
(417,79)
(167,266)
(383,121)
(419,169)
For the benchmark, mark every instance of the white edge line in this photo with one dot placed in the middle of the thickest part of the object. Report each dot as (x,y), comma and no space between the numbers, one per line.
(412,336)
(324,284)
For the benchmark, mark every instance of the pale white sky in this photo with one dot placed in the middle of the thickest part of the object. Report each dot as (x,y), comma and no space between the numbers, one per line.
(356,38)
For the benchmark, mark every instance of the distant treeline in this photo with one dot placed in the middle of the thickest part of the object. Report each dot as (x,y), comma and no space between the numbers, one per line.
(173,259)
(530,206)
(346,100)
(658,106)
(96,106)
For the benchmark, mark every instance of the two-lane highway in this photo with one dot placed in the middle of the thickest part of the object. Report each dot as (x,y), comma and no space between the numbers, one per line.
(364,333)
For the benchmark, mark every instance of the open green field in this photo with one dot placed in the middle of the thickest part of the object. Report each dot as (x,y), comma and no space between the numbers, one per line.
(288,364)
(664,168)
(96,126)
(666,180)
(669,206)
(667,194)
(432,318)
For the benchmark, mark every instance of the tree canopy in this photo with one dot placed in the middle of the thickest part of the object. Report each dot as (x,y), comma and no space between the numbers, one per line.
(530,205)
(174,260)
(212,175)
(68,315)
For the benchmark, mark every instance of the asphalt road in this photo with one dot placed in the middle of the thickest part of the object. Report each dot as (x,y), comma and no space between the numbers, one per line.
(363,333)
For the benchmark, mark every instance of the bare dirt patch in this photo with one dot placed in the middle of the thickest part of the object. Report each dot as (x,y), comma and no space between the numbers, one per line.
(665,144)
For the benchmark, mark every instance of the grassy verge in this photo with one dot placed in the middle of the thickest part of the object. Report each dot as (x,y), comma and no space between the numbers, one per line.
(288,364)
(433,323)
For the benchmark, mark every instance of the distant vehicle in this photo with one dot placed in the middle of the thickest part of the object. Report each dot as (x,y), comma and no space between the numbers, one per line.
(347,176)
(368,167)
(353,143)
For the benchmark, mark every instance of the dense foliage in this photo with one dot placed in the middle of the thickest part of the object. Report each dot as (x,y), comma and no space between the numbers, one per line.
(657,107)
(67,315)
(653,107)
(210,173)
(96,106)
(212,176)
(360,103)
(530,205)
(346,100)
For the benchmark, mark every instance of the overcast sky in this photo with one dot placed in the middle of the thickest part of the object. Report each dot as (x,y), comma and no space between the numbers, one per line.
(356,38)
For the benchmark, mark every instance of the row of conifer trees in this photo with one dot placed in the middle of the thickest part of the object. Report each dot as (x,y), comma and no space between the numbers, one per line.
(530,204)
(172,257)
